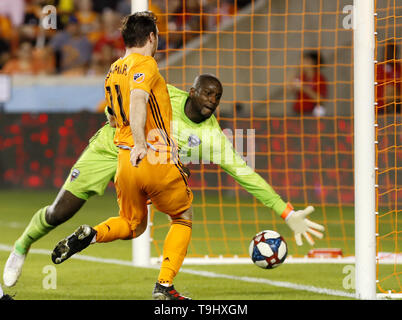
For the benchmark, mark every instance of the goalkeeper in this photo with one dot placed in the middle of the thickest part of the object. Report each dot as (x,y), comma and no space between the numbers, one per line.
(200,137)
(195,129)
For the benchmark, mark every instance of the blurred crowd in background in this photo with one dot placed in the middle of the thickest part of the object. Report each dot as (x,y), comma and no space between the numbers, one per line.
(87,38)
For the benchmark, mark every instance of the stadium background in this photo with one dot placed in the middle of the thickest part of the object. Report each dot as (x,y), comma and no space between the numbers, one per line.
(252,61)
(255,48)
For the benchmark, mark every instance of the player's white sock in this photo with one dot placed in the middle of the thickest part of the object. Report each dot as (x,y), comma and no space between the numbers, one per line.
(1,291)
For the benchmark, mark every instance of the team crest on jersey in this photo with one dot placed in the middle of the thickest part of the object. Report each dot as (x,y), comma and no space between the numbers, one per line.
(139,77)
(193,141)
(74,174)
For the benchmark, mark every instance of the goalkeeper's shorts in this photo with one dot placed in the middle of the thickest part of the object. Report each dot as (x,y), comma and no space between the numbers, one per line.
(91,174)
(165,184)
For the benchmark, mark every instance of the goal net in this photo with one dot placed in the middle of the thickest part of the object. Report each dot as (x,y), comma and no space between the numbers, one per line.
(287,72)
(269,55)
(388,68)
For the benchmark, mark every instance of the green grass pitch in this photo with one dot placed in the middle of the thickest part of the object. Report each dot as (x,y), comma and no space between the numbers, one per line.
(77,279)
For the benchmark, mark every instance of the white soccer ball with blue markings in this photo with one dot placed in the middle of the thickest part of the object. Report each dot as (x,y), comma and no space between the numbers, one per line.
(268,249)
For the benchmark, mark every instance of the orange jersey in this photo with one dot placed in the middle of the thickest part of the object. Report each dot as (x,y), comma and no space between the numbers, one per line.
(139,72)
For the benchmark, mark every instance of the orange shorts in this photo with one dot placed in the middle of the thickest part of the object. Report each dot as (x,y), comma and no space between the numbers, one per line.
(165,184)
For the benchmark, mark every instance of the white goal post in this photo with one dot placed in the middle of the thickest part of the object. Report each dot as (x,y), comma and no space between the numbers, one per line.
(364,150)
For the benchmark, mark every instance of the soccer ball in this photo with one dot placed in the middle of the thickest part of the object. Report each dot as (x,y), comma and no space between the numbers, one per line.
(268,249)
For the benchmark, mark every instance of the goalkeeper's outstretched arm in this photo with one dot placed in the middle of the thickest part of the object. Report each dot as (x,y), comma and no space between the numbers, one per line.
(236,167)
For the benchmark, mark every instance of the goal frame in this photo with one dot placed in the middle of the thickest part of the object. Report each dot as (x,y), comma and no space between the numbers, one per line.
(364,163)
(364,148)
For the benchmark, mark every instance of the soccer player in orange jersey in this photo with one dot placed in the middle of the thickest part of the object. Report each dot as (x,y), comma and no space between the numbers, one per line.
(148,162)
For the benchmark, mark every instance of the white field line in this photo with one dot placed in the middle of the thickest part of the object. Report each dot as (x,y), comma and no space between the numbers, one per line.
(4,247)
(12,224)
(282,284)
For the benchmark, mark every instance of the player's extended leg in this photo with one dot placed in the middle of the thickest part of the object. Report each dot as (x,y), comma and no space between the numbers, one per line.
(43,221)
(174,250)
(47,218)
(90,175)
(123,227)
(64,207)
(116,228)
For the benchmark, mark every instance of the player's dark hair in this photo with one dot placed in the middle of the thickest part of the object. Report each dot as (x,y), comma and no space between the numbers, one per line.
(137,27)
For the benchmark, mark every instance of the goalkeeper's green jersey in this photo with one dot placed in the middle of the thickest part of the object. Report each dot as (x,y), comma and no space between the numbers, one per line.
(205,142)
(102,142)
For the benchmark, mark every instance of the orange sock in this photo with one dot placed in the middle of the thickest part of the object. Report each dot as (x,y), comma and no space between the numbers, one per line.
(113,229)
(175,249)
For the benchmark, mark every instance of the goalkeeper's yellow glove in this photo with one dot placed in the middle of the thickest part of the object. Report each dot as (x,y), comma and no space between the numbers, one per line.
(300,225)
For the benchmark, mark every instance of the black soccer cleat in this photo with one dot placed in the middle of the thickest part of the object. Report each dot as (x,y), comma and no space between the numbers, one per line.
(6,297)
(76,242)
(167,293)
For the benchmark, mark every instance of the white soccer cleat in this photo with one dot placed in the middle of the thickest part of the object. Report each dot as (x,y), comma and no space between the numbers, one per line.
(13,268)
